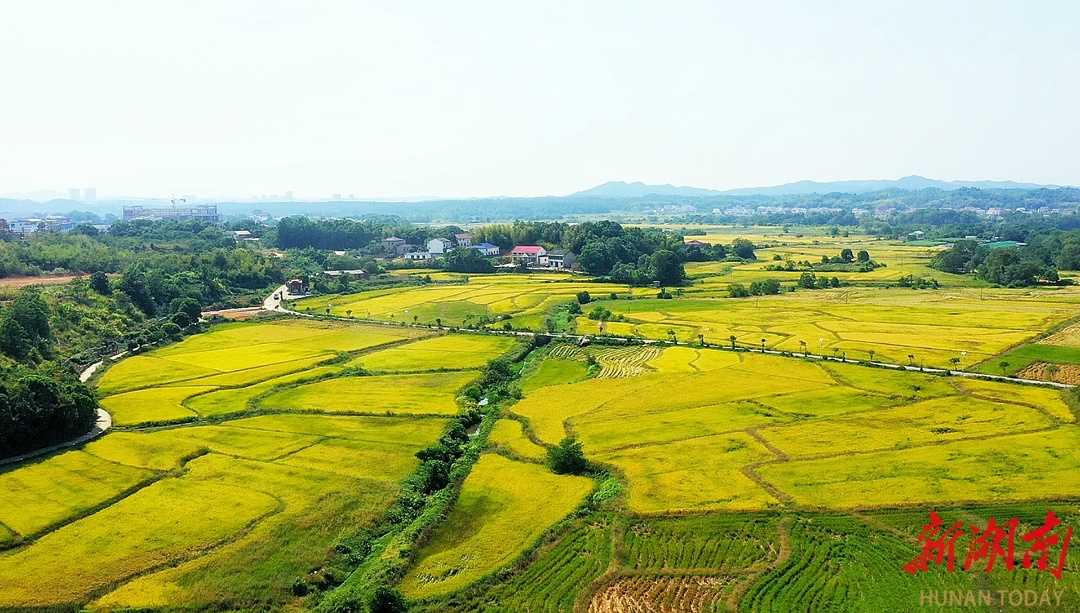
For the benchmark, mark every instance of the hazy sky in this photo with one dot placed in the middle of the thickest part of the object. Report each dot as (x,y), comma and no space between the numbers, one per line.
(460,98)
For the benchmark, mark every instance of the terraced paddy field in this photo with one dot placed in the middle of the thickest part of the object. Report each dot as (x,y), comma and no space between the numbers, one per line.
(504,506)
(459,303)
(762,483)
(303,451)
(900,326)
(725,480)
(709,434)
(872,319)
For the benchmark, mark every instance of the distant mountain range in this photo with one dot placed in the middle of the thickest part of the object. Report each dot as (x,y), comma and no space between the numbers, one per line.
(621,189)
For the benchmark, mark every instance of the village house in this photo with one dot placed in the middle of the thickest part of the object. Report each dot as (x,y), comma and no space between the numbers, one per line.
(394,245)
(438,246)
(296,287)
(487,249)
(562,259)
(697,243)
(418,255)
(463,240)
(530,255)
(354,274)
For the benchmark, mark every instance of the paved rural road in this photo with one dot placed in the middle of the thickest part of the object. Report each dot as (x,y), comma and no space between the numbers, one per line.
(276,297)
(959,373)
(103,423)
(273,301)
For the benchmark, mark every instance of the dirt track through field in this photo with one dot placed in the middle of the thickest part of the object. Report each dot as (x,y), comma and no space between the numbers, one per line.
(14,282)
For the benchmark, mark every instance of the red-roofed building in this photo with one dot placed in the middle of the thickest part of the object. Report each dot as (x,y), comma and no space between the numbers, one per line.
(463,240)
(531,255)
(697,243)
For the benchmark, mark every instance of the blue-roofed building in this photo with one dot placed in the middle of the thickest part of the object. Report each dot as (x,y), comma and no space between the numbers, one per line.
(487,248)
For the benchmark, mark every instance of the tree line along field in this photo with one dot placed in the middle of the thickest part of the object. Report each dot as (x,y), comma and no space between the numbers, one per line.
(267,446)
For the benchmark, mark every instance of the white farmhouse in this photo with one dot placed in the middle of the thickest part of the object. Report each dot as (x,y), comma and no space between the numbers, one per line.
(438,246)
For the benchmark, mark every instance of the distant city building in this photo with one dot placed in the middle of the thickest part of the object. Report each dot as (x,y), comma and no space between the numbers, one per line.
(201,212)
(44,224)
(73,193)
(90,194)
(438,246)
(288,196)
(336,196)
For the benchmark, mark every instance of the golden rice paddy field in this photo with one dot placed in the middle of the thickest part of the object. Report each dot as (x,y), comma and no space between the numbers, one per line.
(460,303)
(504,506)
(228,514)
(731,480)
(713,430)
(804,460)
(964,319)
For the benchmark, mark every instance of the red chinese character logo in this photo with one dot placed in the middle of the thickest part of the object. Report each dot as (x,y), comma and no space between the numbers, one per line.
(938,543)
(1042,540)
(935,548)
(988,546)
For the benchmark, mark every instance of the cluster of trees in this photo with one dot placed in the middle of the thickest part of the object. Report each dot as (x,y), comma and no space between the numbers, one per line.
(602,313)
(847,261)
(635,256)
(210,278)
(436,460)
(41,407)
(161,260)
(339,234)
(168,271)
(329,234)
(709,253)
(1009,266)
(767,287)
(466,259)
(846,257)
(568,458)
(49,252)
(141,234)
(25,333)
(917,282)
(809,280)
(40,402)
